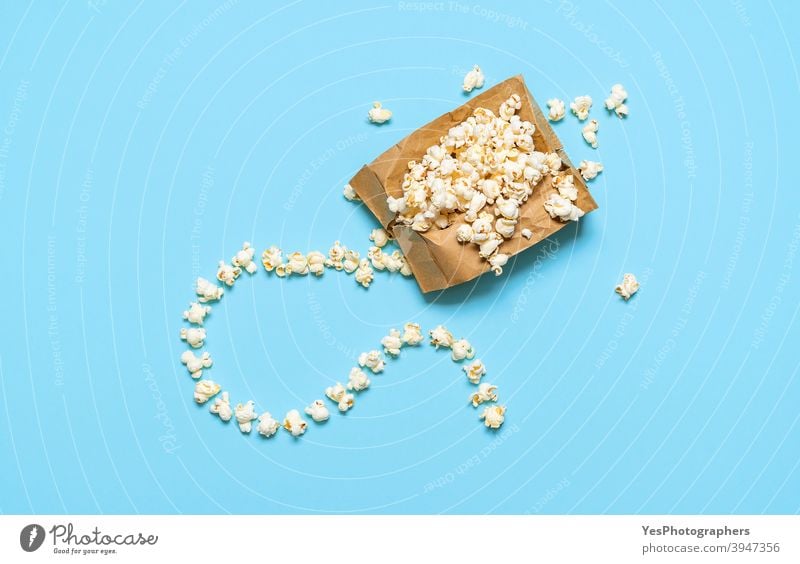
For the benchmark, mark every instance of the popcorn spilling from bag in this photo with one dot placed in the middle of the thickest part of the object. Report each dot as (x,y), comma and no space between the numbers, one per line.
(477,177)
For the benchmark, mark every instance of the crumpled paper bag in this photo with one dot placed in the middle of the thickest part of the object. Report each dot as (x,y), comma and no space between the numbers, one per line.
(436,258)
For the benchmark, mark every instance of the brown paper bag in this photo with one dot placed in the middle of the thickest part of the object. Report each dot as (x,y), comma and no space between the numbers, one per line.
(436,258)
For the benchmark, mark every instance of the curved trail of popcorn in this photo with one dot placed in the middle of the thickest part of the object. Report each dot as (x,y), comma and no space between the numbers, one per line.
(369,363)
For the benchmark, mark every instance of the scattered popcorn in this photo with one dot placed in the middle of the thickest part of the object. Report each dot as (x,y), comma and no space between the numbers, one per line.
(204,390)
(590,133)
(486,160)
(475,371)
(405,268)
(493,416)
(461,349)
(372,360)
(590,169)
(318,411)
(271,258)
(339,394)
(294,423)
(581,106)
(616,102)
(267,425)
(228,274)
(351,261)
(377,257)
(412,334)
(222,407)
(336,256)
(392,342)
(316,263)
(379,114)
(358,380)
(394,262)
(441,337)
(379,236)
(245,415)
(195,364)
(486,392)
(196,313)
(364,273)
(562,208)
(473,79)
(244,258)
(526,233)
(350,193)
(297,264)
(628,287)
(194,336)
(557,109)
(207,291)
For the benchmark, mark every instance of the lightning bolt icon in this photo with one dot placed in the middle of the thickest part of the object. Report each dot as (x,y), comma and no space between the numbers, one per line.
(34,534)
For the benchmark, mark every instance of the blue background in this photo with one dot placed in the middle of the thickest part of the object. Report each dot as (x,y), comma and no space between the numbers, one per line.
(141,143)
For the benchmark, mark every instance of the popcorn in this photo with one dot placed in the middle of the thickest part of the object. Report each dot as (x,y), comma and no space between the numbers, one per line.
(316,263)
(294,423)
(557,109)
(358,380)
(497,263)
(351,261)
(590,169)
(228,274)
(372,360)
(562,208)
(204,390)
(377,257)
(475,371)
(379,114)
(473,79)
(196,313)
(222,407)
(493,416)
(318,411)
(461,349)
(486,392)
(394,262)
(297,264)
(581,106)
(194,336)
(271,258)
(526,233)
(412,335)
(195,364)
(244,258)
(405,268)
(477,176)
(350,193)
(616,102)
(339,395)
(267,425)
(392,342)
(336,256)
(464,233)
(364,273)
(590,133)
(628,287)
(245,415)
(441,337)
(207,291)
(379,236)
(565,184)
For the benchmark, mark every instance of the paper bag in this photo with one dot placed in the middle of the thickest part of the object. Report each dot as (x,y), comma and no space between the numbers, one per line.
(436,258)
